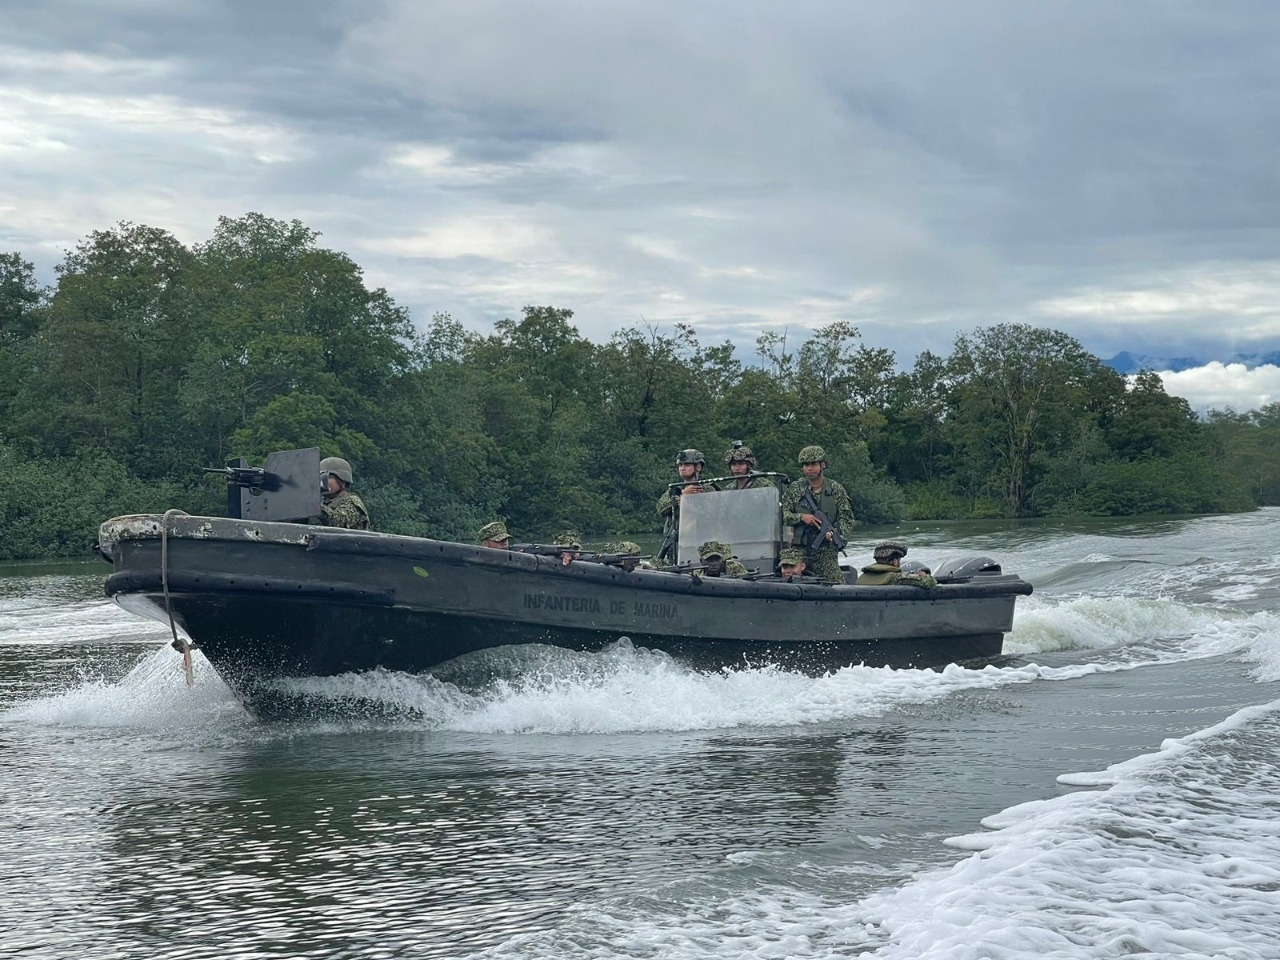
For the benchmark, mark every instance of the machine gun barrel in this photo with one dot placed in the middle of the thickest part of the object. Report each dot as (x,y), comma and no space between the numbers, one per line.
(254,478)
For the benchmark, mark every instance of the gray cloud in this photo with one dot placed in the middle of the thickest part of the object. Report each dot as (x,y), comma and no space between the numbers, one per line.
(918,168)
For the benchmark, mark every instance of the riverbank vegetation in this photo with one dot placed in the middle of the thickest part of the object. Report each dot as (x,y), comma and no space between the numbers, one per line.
(149,359)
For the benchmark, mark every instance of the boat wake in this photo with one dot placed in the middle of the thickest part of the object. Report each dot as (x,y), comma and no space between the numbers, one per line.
(626,689)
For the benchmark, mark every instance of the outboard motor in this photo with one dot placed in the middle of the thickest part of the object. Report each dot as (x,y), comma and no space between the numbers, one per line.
(961,569)
(914,566)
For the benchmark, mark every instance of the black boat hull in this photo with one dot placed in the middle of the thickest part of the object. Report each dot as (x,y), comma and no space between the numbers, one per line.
(267,602)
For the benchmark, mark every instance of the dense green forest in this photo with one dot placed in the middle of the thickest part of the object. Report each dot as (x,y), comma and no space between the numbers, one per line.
(149,359)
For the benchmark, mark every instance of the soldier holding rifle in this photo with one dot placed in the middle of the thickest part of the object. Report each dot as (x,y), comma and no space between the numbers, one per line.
(818,510)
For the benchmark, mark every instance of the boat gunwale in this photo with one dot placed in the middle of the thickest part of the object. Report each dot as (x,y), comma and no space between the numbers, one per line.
(372,544)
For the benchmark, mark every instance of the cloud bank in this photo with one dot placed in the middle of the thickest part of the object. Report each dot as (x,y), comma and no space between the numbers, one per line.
(919,169)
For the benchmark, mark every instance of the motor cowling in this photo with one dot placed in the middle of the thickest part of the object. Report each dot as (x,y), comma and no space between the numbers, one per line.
(957,569)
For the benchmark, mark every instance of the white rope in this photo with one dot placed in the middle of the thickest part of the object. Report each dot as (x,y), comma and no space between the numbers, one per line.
(179,643)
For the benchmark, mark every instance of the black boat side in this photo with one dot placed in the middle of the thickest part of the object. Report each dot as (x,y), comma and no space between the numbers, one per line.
(266,601)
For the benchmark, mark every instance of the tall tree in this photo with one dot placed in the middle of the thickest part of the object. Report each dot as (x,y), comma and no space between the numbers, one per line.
(1019,390)
(110,352)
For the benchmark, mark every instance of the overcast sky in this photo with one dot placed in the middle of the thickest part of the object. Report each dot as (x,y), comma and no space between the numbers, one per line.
(1109,169)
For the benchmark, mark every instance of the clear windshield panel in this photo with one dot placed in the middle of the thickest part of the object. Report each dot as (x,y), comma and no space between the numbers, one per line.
(749,521)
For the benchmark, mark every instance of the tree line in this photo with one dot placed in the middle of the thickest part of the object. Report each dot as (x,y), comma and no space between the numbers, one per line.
(148,359)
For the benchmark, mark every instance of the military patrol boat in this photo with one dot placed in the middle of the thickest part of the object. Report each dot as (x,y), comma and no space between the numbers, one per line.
(271,601)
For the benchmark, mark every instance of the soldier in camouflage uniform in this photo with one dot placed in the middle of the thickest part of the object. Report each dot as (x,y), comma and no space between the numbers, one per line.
(822,559)
(627,550)
(791,563)
(718,560)
(495,536)
(571,540)
(339,507)
(742,463)
(887,568)
(689,465)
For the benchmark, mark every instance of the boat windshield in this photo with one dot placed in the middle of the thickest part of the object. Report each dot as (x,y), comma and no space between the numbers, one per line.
(748,521)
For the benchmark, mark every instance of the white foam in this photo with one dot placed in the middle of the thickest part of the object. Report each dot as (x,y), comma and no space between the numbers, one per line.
(1180,858)
(153,695)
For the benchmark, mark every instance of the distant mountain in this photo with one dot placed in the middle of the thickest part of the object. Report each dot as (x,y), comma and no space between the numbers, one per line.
(1126,362)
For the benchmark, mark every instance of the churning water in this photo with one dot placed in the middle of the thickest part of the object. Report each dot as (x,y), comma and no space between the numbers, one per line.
(1109,790)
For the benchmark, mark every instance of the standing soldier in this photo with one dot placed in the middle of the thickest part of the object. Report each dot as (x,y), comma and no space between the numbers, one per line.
(820,514)
(689,464)
(339,507)
(742,464)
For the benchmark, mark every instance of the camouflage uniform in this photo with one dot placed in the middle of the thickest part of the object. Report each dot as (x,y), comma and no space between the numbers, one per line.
(344,509)
(751,483)
(740,453)
(885,572)
(731,566)
(821,561)
(496,531)
(886,575)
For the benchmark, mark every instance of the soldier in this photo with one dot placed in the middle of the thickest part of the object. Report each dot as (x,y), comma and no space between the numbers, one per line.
(831,499)
(791,563)
(689,465)
(742,463)
(887,568)
(718,560)
(495,536)
(571,540)
(339,507)
(628,551)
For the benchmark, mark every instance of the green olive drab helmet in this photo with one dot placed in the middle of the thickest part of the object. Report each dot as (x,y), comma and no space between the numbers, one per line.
(338,467)
(812,454)
(691,456)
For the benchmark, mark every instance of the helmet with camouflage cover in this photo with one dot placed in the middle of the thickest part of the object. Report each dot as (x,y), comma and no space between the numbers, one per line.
(569,538)
(739,453)
(812,454)
(624,547)
(338,467)
(691,456)
(714,548)
(496,531)
(790,557)
(886,550)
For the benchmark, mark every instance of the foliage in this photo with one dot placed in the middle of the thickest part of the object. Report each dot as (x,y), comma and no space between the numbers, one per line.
(149,359)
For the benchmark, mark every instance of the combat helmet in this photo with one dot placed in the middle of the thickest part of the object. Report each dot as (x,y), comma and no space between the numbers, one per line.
(338,467)
(886,550)
(812,454)
(691,456)
(739,453)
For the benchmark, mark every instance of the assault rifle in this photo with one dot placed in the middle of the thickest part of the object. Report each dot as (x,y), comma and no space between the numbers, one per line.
(808,501)
(552,550)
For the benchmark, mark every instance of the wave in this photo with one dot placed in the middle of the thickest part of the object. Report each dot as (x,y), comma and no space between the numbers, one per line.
(1175,859)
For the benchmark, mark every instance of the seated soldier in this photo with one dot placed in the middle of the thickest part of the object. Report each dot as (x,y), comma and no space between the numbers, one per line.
(718,560)
(495,536)
(886,570)
(571,540)
(628,552)
(791,563)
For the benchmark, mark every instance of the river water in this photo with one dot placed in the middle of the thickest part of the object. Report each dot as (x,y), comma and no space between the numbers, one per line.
(1111,790)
